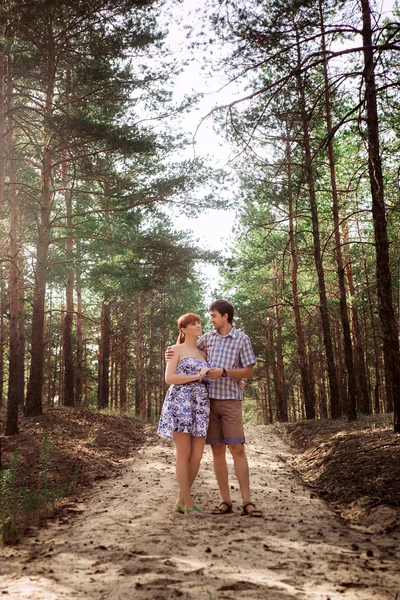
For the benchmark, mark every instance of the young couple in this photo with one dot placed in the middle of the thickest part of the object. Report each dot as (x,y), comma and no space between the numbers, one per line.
(203,404)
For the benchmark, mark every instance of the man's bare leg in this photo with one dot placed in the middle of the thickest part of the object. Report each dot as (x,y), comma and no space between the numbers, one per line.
(221,471)
(241,470)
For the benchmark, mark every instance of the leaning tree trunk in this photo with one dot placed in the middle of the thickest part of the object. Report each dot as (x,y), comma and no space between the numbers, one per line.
(323,301)
(33,404)
(383,275)
(351,402)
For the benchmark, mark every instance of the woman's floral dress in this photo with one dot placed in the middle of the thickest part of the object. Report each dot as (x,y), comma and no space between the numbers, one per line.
(186,407)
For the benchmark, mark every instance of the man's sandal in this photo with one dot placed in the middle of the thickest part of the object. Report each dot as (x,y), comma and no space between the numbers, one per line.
(220,510)
(180,508)
(250,513)
(196,511)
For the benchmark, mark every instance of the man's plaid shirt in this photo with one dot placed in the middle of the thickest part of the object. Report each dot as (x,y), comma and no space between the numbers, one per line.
(232,351)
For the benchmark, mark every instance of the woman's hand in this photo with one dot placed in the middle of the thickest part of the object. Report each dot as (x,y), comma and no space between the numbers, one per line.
(203,372)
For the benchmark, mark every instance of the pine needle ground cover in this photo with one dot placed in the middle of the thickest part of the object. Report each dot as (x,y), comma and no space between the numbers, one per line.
(55,457)
(355,466)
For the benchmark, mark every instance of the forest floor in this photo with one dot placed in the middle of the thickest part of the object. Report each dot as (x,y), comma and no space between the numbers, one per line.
(329,491)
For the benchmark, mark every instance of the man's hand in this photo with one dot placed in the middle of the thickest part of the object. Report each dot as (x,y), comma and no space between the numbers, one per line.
(214,373)
(169,353)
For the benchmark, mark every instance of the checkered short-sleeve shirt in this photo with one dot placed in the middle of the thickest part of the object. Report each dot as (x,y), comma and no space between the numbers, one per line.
(232,351)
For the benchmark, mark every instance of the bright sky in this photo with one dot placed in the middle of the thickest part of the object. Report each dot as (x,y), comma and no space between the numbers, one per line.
(213,228)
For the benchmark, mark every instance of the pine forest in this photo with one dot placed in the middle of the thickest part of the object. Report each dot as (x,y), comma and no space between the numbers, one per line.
(98,179)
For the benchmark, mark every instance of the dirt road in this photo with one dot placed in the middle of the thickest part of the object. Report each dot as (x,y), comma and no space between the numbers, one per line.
(125,542)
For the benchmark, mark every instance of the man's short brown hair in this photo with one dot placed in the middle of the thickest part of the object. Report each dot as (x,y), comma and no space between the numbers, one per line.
(223,307)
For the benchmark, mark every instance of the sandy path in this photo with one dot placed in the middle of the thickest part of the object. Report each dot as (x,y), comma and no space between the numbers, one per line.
(125,542)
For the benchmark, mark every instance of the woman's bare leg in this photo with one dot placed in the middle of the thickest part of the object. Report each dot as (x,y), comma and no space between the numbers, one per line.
(183,446)
(195,457)
(196,453)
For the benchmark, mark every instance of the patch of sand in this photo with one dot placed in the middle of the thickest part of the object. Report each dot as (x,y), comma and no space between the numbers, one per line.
(124,541)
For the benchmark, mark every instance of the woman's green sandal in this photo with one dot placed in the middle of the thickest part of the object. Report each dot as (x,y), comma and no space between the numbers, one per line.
(195,510)
(180,508)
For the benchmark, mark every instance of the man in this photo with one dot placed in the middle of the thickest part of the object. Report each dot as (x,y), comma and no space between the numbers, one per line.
(231,357)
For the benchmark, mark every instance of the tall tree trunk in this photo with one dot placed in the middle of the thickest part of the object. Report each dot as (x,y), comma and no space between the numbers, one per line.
(344,315)
(2,336)
(3,160)
(123,381)
(274,371)
(21,325)
(268,368)
(274,353)
(49,362)
(85,382)
(150,366)
(113,372)
(378,389)
(103,388)
(307,383)
(79,341)
(320,377)
(264,402)
(60,363)
(115,360)
(160,390)
(68,354)
(281,392)
(33,404)
(383,275)
(3,145)
(139,393)
(341,369)
(14,350)
(363,402)
(323,302)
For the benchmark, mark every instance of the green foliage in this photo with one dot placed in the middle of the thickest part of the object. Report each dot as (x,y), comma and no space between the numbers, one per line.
(262,42)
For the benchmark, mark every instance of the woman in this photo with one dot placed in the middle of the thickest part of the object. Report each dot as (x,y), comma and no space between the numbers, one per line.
(186,409)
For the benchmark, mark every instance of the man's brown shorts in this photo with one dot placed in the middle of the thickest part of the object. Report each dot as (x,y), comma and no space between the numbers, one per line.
(226,422)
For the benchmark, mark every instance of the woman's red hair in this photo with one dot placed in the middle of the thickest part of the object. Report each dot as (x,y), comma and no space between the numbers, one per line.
(184,321)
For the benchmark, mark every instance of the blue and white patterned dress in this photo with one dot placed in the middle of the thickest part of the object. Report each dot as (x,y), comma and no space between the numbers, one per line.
(186,407)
